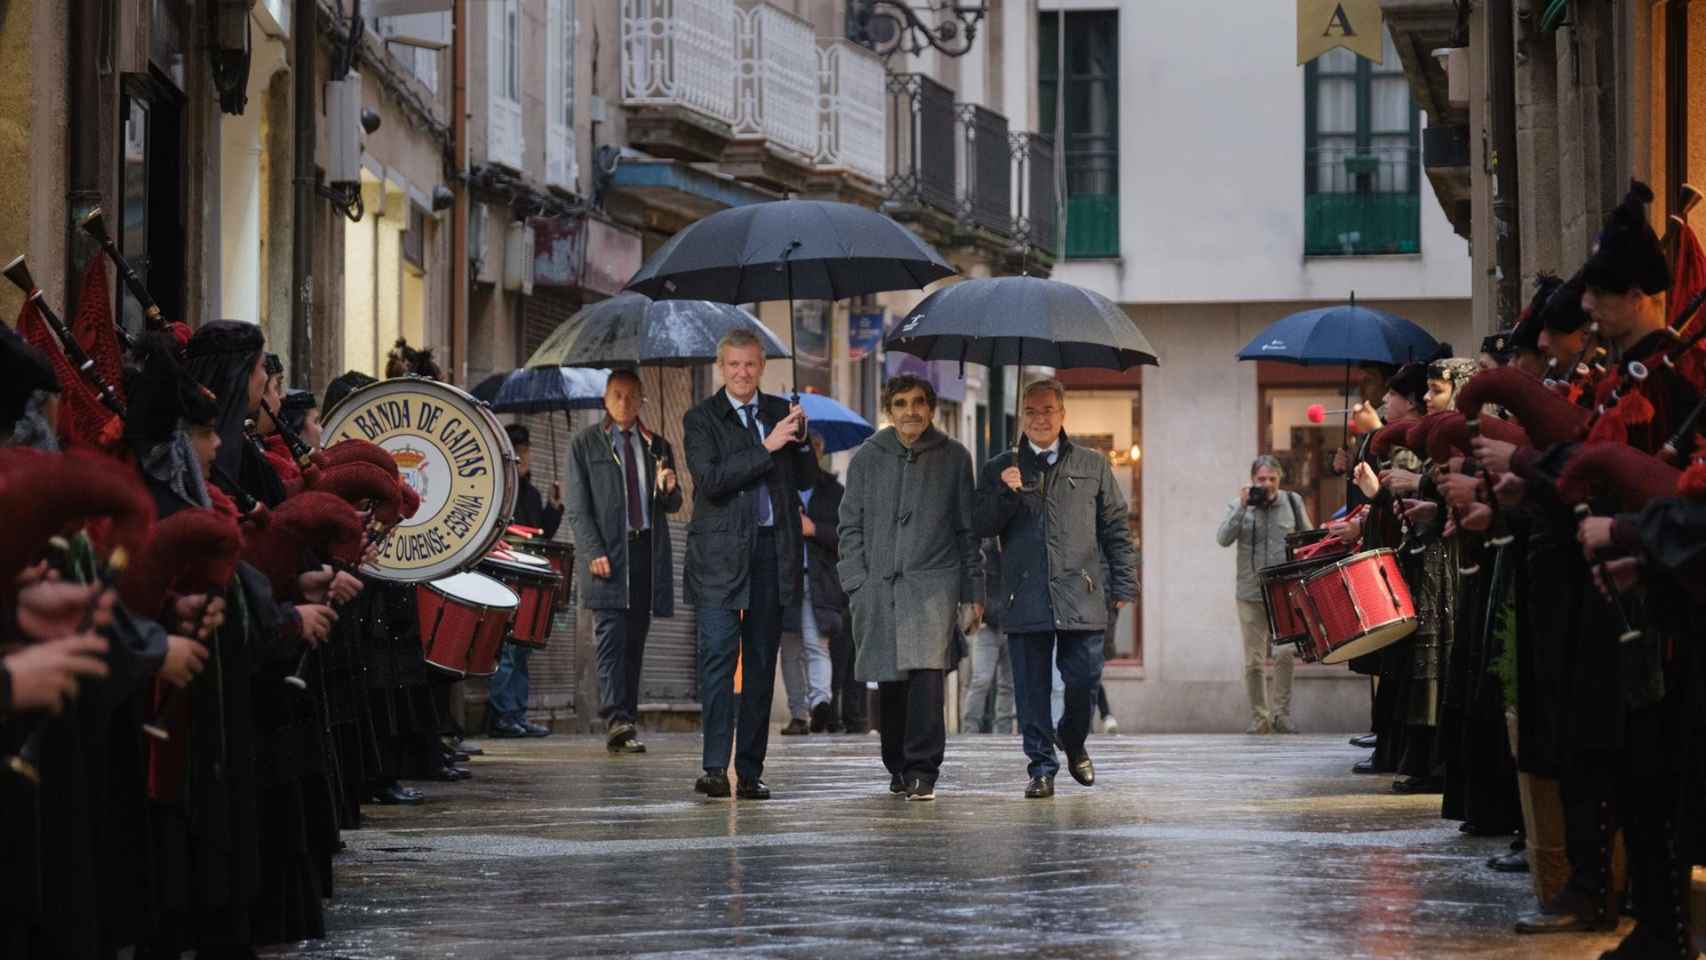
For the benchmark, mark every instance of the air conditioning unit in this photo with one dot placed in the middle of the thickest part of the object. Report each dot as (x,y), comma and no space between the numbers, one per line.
(479,249)
(343,130)
(518,257)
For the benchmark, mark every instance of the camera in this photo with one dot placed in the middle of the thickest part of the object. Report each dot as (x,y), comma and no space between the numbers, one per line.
(1259,497)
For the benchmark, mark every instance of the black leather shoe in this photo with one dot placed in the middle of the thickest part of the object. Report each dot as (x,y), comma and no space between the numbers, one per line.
(618,733)
(752,790)
(795,728)
(714,785)
(1569,912)
(1366,741)
(1366,767)
(1510,862)
(395,794)
(822,715)
(630,745)
(897,786)
(535,729)
(508,730)
(1417,785)
(1082,769)
(1040,788)
(449,774)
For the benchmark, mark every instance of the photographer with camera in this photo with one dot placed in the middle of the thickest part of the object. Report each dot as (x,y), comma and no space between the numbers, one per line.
(1258,522)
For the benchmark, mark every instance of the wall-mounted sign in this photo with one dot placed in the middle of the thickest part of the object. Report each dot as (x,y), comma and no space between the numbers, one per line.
(1352,24)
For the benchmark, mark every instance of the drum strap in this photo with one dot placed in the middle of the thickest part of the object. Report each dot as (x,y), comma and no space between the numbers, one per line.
(1292,497)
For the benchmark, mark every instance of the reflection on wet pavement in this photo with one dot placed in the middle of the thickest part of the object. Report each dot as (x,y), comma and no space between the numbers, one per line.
(1188,846)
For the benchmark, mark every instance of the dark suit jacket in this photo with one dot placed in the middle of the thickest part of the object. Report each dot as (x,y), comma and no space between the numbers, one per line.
(597,499)
(729,466)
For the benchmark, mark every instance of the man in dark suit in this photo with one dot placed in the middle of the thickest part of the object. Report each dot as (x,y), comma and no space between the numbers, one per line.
(506,692)
(622,486)
(744,553)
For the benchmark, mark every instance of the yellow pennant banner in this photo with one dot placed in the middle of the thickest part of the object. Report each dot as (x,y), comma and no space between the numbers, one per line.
(1325,24)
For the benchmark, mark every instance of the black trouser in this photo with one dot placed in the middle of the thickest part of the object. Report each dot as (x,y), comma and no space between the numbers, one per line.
(914,733)
(751,637)
(848,693)
(621,636)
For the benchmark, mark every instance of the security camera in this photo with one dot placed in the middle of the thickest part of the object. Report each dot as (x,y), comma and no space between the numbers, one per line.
(370,120)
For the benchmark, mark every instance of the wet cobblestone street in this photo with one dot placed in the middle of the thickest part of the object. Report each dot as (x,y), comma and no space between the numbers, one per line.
(1188,846)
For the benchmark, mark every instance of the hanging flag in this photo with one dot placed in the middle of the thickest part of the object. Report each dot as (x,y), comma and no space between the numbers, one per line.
(1352,24)
(864,333)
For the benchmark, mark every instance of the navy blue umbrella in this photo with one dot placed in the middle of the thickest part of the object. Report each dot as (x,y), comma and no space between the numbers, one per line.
(841,428)
(543,390)
(1346,334)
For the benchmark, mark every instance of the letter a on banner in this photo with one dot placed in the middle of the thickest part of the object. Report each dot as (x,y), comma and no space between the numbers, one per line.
(1352,24)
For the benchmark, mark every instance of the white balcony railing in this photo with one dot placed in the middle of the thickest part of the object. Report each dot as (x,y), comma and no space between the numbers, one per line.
(853,129)
(776,78)
(679,52)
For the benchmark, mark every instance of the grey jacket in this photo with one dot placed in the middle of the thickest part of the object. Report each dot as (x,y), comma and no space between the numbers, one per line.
(908,554)
(729,466)
(1260,534)
(1057,542)
(597,502)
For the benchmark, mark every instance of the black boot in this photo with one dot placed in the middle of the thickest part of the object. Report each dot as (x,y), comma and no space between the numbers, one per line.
(1661,891)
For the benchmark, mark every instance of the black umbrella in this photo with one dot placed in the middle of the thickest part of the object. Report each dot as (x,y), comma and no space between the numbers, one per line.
(543,390)
(1018,320)
(813,249)
(633,330)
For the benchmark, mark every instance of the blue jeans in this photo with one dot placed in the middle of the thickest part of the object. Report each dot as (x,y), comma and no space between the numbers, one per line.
(991,667)
(506,692)
(806,668)
(1078,653)
(724,636)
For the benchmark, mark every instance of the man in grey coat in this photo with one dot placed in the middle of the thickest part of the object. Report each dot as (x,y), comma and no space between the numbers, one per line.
(1061,518)
(909,560)
(622,487)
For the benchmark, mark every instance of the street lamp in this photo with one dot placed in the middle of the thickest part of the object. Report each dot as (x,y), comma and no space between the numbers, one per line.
(885,26)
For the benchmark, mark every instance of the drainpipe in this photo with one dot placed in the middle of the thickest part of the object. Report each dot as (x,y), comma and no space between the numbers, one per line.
(84,56)
(1501,96)
(459,214)
(304,23)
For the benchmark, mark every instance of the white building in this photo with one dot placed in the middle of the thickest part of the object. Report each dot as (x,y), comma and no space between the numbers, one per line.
(1214,187)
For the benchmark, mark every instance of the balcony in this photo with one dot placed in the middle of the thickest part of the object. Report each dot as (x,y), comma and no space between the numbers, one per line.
(986,181)
(676,56)
(923,155)
(853,130)
(1361,204)
(776,99)
(1035,230)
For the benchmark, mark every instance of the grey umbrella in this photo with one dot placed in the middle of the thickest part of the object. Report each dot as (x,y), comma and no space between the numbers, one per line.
(633,330)
(1018,320)
(813,249)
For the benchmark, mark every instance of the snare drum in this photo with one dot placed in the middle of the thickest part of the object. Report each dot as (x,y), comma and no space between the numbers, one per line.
(535,584)
(1283,596)
(561,557)
(463,622)
(1358,605)
(1302,538)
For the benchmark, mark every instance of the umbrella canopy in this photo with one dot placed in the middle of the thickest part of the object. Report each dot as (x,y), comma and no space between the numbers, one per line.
(543,389)
(632,330)
(1018,320)
(841,428)
(1343,334)
(810,249)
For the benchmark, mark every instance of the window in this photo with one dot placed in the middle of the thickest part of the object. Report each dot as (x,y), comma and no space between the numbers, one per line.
(505,143)
(512,49)
(1092,159)
(1361,170)
(561,170)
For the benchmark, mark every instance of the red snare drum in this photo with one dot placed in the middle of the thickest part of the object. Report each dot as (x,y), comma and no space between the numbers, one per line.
(561,557)
(535,585)
(463,622)
(1359,605)
(1283,596)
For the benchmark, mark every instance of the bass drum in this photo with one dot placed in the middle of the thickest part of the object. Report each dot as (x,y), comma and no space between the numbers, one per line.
(455,455)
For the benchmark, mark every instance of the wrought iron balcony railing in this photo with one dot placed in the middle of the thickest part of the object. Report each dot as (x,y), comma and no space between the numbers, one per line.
(922,151)
(1361,202)
(1034,222)
(986,183)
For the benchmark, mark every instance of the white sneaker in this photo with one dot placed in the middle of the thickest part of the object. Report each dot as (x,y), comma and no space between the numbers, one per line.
(1110,726)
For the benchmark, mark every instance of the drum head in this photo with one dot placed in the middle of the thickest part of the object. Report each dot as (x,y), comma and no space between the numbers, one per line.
(477,590)
(519,561)
(1379,638)
(452,453)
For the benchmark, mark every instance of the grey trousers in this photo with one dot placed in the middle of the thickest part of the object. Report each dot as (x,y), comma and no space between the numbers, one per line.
(991,666)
